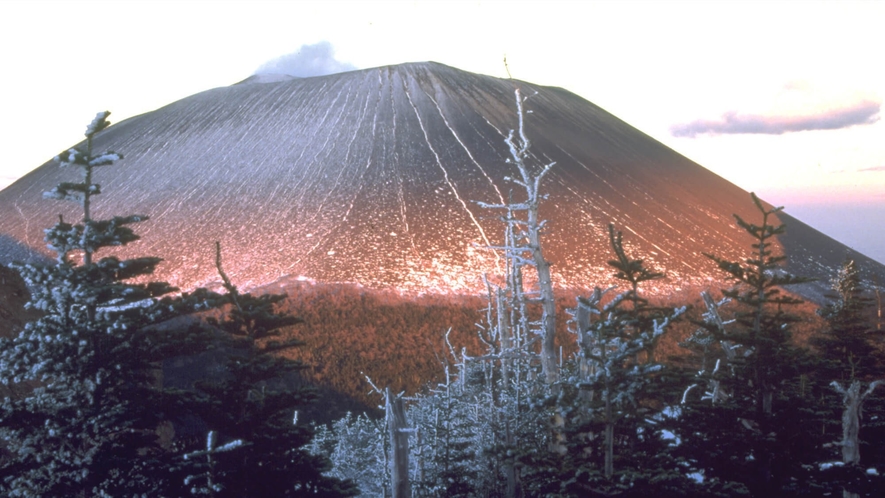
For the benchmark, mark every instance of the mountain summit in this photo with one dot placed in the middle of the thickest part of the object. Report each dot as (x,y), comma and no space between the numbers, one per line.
(373,177)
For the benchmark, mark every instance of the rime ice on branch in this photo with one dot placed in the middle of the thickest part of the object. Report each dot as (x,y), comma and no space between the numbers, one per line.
(612,336)
(523,242)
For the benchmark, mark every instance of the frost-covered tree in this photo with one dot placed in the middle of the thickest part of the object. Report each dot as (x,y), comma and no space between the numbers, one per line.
(359,450)
(506,383)
(449,442)
(89,426)
(471,428)
(466,433)
(522,247)
(716,355)
(256,402)
(600,398)
(853,477)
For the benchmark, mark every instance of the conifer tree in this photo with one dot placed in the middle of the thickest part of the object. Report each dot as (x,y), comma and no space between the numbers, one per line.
(89,427)
(614,369)
(765,323)
(851,361)
(254,404)
(358,448)
(455,434)
(847,346)
(753,431)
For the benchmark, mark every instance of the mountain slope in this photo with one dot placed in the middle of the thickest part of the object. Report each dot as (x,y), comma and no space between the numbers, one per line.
(372,176)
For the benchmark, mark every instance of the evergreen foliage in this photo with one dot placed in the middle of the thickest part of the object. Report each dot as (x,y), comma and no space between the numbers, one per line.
(847,348)
(450,441)
(855,414)
(753,429)
(254,409)
(497,426)
(600,402)
(359,450)
(88,427)
(764,323)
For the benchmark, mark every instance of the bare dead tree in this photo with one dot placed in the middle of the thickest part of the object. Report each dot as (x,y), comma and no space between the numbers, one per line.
(852,400)
(523,246)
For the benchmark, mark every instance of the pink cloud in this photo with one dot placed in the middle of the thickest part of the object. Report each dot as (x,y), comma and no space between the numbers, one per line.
(873,168)
(861,113)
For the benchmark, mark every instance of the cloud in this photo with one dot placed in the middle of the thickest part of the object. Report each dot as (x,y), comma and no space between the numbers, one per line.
(310,60)
(860,113)
(873,168)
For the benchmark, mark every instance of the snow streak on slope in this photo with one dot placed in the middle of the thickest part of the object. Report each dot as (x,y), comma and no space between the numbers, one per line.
(372,176)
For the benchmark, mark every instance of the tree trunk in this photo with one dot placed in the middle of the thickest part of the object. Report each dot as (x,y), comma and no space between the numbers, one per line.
(514,486)
(505,333)
(545,286)
(851,430)
(609,435)
(399,444)
(852,400)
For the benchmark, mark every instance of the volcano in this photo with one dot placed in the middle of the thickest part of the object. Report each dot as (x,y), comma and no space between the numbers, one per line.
(373,177)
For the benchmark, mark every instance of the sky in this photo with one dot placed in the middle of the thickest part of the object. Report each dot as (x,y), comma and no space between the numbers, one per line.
(781,98)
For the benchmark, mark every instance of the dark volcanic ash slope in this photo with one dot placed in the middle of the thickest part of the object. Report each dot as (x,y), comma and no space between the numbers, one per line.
(371,176)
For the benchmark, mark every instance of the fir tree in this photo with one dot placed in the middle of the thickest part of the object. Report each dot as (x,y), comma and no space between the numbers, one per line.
(851,360)
(764,324)
(753,431)
(601,405)
(89,427)
(358,448)
(847,346)
(253,404)
(452,435)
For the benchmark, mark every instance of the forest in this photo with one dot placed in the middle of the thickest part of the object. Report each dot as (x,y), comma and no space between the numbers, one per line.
(525,392)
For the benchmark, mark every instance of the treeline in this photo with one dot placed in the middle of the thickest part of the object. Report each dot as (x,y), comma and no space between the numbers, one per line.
(399,341)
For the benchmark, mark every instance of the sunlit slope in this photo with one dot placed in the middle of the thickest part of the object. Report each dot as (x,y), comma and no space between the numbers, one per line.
(372,176)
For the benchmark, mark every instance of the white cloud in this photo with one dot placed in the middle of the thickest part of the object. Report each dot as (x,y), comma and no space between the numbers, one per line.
(310,60)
